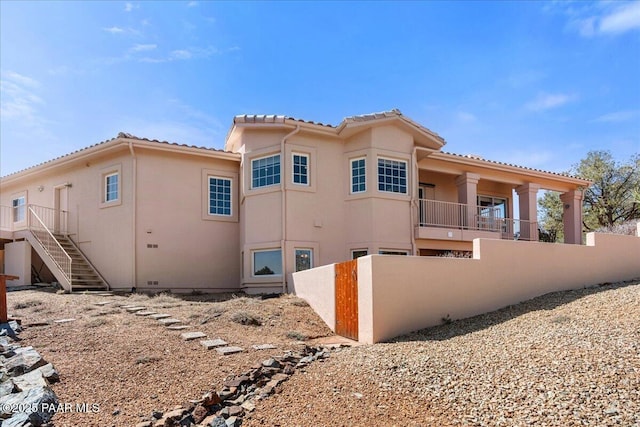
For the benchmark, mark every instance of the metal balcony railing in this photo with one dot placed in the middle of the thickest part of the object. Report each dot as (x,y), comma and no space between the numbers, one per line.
(45,237)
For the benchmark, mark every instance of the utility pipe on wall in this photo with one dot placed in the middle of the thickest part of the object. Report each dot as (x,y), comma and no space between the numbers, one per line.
(134,184)
(283,180)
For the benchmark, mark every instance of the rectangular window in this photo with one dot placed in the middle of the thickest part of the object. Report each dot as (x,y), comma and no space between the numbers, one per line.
(392,252)
(219,196)
(304,259)
(357,253)
(267,262)
(358,176)
(111,187)
(392,176)
(18,205)
(265,171)
(301,169)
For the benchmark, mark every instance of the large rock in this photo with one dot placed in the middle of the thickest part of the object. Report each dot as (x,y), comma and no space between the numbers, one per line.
(29,380)
(38,403)
(24,361)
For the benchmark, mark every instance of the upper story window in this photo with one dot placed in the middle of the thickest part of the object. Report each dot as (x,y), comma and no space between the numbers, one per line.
(19,206)
(111,187)
(301,169)
(265,171)
(392,176)
(358,176)
(219,196)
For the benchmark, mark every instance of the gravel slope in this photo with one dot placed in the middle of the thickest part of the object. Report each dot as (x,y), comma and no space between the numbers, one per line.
(564,359)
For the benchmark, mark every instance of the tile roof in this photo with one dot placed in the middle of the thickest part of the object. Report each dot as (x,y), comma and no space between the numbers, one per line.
(478,158)
(120,135)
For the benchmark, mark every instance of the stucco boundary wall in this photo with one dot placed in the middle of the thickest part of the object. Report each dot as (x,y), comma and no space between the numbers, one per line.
(398,294)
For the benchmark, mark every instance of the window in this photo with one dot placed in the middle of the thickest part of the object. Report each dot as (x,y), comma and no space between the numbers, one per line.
(491,211)
(111,187)
(301,169)
(267,262)
(304,259)
(357,253)
(392,176)
(265,171)
(392,252)
(219,196)
(358,176)
(18,205)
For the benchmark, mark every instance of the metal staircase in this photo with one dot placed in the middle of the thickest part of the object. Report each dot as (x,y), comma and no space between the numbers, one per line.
(84,276)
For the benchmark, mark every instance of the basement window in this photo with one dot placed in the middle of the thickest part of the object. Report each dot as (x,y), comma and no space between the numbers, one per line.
(267,262)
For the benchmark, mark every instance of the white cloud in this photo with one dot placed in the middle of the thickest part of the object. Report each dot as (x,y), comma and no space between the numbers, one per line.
(128,7)
(181,54)
(114,30)
(143,47)
(547,101)
(192,4)
(622,19)
(619,116)
(19,100)
(466,117)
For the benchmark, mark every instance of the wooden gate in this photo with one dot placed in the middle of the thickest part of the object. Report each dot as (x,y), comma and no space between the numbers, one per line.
(346,285)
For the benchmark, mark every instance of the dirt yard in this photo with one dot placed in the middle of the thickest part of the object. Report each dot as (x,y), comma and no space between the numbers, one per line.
(570,358)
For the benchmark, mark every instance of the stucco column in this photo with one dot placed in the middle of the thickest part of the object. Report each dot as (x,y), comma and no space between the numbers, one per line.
(572,216)
(528,208)
(468,194)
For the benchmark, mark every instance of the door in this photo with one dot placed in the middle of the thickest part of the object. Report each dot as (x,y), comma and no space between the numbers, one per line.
(60,205)
(426,192)
(346,287)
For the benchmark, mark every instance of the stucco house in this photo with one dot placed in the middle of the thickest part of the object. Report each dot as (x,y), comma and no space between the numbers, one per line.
(283,195)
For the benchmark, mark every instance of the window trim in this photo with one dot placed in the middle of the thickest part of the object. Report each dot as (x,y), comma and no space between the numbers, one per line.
(255,159)
(108,171)
(253,262)
(293,164)
(295,258)
(15,209)
(406,178)
(106,187)
(351,162)
(222,178)
(397,252)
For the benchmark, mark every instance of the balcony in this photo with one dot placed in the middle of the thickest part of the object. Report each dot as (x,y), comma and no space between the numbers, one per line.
(456,221)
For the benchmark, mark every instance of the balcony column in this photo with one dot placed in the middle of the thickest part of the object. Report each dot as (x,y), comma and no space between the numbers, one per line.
(528,208)
(468,195)
(572,216)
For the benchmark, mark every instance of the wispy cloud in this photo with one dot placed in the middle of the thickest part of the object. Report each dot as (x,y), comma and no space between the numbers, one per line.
(181,54)
(128,7)
(114,30)
(600,18)
(619,116)
(188,54)
(143,47)
(466,117)
(192,4)
(19,101)
(547,101)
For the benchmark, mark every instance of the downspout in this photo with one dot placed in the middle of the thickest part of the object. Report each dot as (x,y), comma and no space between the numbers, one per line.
(134,185)
(412,203)
(283,181)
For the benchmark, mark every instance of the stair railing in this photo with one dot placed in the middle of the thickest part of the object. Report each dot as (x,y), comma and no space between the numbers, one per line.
(49,243)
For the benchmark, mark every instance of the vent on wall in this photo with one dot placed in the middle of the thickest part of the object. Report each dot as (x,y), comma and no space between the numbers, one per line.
(152,245)
(152,282)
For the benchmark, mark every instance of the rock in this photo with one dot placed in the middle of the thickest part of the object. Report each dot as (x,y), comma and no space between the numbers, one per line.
(248,406)
(188,336)
(225,351)
(29,380)
(357,395)
(214,421)
(264,347)
(159,316)
(209,344)
(235,410)
(144,424)
(39,402)
(271,363)
(101,303)
(211,398)
(169,321)
(177,327)
(186,421)
(233,422)
(156,414)
(199,412)
(49,373)
(6,387)
(134,309)
(116,412)
(237,381)
(20,419)
(145,313)
(64,320)
(24,362)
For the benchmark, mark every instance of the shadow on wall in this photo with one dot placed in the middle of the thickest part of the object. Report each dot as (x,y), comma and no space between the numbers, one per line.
(548,301)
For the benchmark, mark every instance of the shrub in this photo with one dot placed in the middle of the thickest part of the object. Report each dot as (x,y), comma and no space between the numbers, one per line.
(244,318)
(26,304)
(295,335)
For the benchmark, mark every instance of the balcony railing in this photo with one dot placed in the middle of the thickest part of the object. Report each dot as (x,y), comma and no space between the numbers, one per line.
(43,233)
(434,213)
(55,220)
(6,218)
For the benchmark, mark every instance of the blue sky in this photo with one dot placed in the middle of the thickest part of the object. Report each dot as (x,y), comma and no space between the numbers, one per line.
(533,83)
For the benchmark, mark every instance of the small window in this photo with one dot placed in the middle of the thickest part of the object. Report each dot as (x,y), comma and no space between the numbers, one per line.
(392,176)
(267,262)
(111,187)
(219,196)
(392,252)
(18,205)
(357,253)
(301,169)
(304,259)
(265,171)
(358,176)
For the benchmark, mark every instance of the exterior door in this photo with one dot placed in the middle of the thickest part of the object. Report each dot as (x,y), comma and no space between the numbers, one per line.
(60,205)
(346,287)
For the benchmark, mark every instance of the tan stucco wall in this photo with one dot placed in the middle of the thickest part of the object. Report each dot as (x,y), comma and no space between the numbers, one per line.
(311,285)
(17,262)
(410,293)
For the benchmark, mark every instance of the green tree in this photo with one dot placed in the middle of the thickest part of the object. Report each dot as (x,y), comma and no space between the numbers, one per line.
(612,199)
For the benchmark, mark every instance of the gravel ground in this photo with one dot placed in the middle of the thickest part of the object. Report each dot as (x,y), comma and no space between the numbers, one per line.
(564,359)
